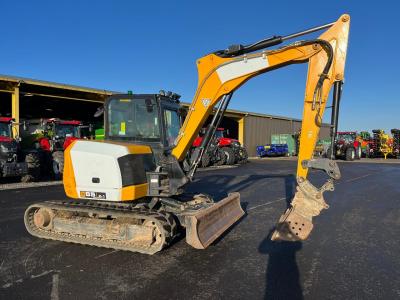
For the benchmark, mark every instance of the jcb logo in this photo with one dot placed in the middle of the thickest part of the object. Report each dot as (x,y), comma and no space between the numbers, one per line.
(206,102)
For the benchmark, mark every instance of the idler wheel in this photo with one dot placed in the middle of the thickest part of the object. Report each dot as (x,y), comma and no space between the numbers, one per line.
(43,218)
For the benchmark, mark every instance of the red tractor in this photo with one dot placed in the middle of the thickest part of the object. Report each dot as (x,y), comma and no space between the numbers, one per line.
(231,146)
(234,152)
(214,155)
(52,137)
(396,142)
(347,146)
(13,161)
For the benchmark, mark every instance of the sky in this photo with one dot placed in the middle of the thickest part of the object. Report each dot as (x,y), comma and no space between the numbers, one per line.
(145,46)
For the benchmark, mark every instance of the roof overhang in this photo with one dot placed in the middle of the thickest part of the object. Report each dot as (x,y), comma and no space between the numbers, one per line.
(32,87)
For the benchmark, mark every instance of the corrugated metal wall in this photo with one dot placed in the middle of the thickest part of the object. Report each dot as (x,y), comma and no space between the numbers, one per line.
(258,130)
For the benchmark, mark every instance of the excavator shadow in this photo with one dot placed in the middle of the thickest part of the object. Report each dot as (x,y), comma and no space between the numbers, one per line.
(218,186)
(282,275)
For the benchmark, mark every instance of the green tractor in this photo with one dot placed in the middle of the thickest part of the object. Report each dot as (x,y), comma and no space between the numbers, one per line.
(365,139)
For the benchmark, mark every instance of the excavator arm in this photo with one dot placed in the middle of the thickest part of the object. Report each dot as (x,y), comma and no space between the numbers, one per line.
(223,72)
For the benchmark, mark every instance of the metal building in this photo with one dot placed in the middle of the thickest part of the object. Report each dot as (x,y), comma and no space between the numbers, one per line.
(259,128)
(24,98)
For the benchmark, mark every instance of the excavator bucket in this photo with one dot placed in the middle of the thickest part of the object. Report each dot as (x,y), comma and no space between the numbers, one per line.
(206,225)
(296,223)
(292,226)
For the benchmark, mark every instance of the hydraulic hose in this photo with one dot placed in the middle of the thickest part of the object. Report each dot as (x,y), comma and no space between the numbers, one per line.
(239,49)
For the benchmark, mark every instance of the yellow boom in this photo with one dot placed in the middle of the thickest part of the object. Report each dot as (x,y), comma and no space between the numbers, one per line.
(219,76)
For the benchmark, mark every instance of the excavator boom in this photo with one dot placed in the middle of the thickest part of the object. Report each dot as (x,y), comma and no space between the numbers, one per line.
(220,75)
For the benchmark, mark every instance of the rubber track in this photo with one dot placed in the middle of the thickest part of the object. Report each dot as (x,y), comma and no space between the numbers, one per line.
(164,221)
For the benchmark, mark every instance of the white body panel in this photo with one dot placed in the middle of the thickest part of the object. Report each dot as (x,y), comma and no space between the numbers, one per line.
(240,68)
(98,160)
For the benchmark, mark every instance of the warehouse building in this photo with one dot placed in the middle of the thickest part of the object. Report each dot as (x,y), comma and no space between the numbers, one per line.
(24,98)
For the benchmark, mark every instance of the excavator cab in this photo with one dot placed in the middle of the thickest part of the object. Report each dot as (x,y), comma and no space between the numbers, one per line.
(150,119)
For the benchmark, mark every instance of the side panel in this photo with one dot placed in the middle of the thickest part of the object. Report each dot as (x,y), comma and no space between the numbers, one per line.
(107,171)
(134,192)
(68,174)
(94,160)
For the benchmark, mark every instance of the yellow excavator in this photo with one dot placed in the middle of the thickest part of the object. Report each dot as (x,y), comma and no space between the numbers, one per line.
(127,192)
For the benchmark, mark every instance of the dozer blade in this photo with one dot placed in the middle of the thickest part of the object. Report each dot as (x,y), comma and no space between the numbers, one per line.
(206,225)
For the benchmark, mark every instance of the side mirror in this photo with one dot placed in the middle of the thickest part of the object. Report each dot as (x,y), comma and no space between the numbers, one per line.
(99,112)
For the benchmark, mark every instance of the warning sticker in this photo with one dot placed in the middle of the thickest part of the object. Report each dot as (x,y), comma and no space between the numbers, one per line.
(122,128)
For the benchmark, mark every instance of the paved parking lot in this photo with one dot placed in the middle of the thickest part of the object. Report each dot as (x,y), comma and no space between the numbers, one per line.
(352,253)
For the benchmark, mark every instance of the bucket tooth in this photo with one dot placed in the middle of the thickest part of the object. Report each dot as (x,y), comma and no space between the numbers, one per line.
(207,224)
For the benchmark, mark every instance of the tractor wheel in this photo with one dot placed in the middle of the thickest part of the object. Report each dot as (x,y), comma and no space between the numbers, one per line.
(220,158)
(243,155)
(33,162)
(27,178)
(358,152)
(229,155)
(350,154)
(205,160)
(58,164)
(367,152)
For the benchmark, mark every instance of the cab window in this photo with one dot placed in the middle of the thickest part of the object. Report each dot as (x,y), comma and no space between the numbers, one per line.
(4,129)
(135,119)
(172,126)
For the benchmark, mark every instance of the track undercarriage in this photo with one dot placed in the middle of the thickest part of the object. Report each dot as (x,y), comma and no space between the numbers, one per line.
(145,227)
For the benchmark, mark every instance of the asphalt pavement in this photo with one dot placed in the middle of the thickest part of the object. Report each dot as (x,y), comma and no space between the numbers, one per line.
(353,252)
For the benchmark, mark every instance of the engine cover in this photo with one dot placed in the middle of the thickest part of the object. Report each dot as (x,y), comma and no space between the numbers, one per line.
(111,171)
